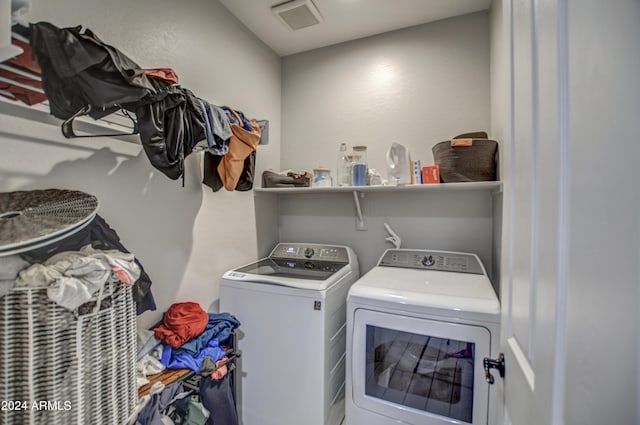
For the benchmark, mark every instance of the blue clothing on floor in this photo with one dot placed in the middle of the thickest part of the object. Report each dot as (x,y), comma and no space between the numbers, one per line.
(173,360)
(220,326)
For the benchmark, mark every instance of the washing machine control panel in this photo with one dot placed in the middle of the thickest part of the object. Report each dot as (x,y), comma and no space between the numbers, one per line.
(432,260)
(311,252)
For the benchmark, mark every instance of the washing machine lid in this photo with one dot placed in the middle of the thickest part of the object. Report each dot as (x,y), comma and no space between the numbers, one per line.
(292,268)
(297,265)
(453,293)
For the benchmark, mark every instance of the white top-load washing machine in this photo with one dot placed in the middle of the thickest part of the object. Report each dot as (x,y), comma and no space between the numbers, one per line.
(292,337)
(418,327)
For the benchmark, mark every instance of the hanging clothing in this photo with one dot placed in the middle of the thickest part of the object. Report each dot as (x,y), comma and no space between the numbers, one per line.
(217,398)
(167,75)
(236,169)
(238,118)
(218,131)
(243,143)
(78,69)
(211,177)
(170,124)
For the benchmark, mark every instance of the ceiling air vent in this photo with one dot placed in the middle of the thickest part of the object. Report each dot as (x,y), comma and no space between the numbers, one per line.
(297,14)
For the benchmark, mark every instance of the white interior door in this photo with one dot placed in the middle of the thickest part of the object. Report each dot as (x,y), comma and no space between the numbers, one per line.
(534,185)
(571,237)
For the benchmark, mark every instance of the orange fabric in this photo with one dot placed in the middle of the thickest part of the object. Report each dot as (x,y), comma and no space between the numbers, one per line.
(241,144)
(182,322)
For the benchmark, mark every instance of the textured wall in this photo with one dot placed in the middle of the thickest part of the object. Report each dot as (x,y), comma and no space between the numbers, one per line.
(186,237)
(416,86)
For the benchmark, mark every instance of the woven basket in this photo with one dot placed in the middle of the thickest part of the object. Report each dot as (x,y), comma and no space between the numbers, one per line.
(67,367)
(477,162)
(34,218)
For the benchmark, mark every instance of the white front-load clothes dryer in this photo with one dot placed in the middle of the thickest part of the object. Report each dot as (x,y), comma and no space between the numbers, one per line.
(419,324)
(292,336)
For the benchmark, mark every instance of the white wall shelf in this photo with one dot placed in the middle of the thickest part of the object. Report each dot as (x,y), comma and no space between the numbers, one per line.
(492,186)
(465,217)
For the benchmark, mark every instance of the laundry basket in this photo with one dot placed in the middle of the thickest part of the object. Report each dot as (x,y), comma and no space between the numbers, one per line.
(67,367)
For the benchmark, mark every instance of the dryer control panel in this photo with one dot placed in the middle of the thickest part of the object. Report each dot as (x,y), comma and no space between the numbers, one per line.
(301,251)
(458,262)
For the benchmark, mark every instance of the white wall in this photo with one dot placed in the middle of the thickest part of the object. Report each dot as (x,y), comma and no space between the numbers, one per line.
(439,220)
(185,237)
(604,280)
(416,86)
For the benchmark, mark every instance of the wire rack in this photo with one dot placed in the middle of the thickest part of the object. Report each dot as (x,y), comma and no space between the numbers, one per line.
(62,367)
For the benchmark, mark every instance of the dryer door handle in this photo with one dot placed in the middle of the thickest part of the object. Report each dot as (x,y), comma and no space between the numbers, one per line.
(489,364)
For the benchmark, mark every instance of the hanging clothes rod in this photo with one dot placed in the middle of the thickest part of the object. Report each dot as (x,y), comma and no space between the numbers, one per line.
(69,133)
(118,124)
(40,113)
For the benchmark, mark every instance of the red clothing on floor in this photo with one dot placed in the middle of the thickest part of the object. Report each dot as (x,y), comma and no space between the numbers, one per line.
(182,322)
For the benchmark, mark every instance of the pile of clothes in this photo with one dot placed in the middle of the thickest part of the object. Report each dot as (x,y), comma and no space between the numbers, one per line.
(169,405)
(190,338)
(76,269)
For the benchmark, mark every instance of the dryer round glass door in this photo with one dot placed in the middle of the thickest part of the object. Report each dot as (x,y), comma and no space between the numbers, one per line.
(418,370)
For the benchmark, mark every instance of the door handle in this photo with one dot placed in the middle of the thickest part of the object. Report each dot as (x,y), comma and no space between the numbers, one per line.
(489,364)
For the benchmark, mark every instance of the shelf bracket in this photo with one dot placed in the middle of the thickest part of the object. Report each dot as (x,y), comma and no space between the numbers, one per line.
(361,223)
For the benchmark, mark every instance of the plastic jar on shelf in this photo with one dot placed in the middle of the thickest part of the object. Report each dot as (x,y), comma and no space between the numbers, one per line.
(359,167)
